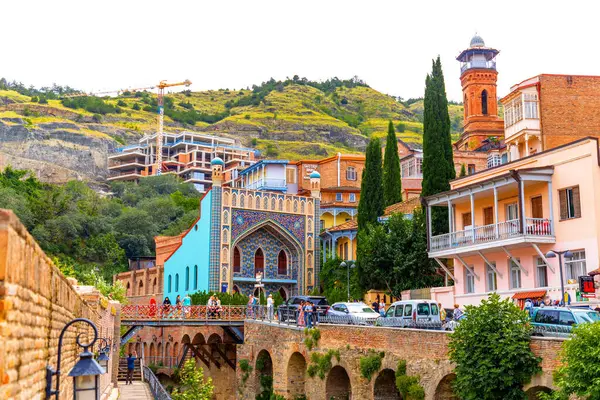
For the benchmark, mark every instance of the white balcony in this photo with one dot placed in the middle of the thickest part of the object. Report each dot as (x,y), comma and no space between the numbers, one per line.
(266,184)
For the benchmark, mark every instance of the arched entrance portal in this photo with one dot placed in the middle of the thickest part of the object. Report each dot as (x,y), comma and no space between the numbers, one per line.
(534,392)
(444,390)
(338,385)
(296,374)
(385,386)
(264,373)
(283,293)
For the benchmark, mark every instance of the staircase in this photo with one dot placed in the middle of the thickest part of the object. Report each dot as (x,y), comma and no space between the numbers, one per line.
(122,374)
(187,354)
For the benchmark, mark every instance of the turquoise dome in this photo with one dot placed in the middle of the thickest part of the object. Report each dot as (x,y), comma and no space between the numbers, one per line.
(217,161)
(477,41)
(315,175)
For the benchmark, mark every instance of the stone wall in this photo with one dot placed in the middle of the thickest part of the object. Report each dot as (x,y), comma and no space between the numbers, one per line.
(426,354)
(36,301)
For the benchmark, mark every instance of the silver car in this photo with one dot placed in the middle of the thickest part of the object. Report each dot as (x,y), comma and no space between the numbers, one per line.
(352,313)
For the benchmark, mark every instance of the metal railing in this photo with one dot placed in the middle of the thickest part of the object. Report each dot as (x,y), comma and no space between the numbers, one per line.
(478,64)
(173,313)
(490,233)
(157,389)
(267,182)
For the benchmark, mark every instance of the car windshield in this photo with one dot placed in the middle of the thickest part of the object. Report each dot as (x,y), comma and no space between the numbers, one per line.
(360,308)
(319,301)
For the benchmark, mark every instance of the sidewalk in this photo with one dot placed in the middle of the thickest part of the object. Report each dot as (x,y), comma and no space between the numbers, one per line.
(136,391)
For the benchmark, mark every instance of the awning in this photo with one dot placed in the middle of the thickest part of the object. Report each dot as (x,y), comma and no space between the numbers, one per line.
(529,295)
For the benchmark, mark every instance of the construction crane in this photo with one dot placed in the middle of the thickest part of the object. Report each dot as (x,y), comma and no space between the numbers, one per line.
(161,116)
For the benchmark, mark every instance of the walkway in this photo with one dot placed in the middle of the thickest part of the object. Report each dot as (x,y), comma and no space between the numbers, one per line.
(136,391)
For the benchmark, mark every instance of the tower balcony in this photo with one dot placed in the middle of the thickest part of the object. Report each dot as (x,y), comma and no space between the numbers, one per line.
(477,64)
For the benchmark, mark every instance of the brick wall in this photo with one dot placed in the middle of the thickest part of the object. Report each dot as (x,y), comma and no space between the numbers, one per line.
(36,301)
(477,158)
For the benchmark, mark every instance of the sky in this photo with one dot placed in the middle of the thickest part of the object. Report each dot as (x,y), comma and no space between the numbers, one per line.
(108,45)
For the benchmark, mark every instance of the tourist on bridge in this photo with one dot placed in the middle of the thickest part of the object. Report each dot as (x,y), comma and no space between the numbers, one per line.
(178,306)
(250,308)
(130,368)
(315,314)
(212,306)
(187,302)
(166,307)
(301,320)
(270,304)
(219,309)
(308,311)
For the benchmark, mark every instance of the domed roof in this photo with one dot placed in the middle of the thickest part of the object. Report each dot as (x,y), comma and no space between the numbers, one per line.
(315,175)
(217,161)
(477,41)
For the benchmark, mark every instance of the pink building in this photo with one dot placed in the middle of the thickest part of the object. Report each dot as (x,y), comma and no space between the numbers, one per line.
(504,220)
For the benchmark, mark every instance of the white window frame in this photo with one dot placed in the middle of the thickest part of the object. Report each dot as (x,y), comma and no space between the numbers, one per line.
(540,264)
(512,267)
(351,173)
(508,207)
(339,197)
(469,280)
(491,279)
(577,261)
(352,198)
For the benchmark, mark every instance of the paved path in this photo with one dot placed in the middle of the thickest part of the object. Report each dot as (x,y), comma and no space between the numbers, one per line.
(136,391)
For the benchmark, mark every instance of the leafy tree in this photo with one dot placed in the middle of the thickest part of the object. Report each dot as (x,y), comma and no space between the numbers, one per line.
(579,372)
(392,185)
(334,281)
(136,106)
(491,351)
(463,171)
(370,206)
(192,385)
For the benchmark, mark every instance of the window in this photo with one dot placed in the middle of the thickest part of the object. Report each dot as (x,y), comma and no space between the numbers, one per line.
(566,318)
(488,215)
(259,262)
(531,110)
(176,282)
(575,266)
(494,160)
(515,275)
(195,277)
(352,198)
(570,206)
(491,279)
(290,175)
(422,309)
(322,222)
(408,310)
(412,167)
(237,258)
(471,169)
(282,263)
(187,278)
(547,317)
(518,110)
(541,272)
(434,309)
(512,212)
(351,174)
(469,281)
(399,311)
(537,209)
(484,102)
(169,284)
(339,197)
(504,158)
(466,219)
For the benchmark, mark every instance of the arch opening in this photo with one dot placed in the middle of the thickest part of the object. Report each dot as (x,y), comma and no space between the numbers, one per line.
(444,389)
(282,263)
(534,392)
(338,385)
(264,373)
(296,375)
(385,386)
(259,262)
(237,259)
(484,102)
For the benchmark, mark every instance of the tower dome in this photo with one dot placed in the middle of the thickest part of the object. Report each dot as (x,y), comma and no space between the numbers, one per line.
(477,41)
(315,175)
(217,161)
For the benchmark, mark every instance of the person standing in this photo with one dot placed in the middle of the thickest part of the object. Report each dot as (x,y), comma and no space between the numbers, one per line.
(178,306)
(187,302)
(382,308)
(130,368)
(250,307)
(270,306)
(375,306)
(166,307)
(301,320)
(442,313)
(457,312)
(308,314)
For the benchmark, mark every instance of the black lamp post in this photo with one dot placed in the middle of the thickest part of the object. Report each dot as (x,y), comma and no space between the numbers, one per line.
(567,254)
(344,265)
(104,351)
(85,372)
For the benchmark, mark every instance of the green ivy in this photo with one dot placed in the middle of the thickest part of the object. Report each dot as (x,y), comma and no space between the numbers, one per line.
(370,364)
(246,369)
(408,386)
(313,335)
(320,364)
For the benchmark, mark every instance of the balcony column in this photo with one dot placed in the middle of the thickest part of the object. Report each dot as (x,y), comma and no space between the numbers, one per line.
(472,198)
(526,145)
(450,218)
(551,208)
(522,200)
(496,212)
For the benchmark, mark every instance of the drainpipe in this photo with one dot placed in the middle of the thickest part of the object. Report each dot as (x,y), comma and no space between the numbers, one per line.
(515,175)
(427,224)
(338,168)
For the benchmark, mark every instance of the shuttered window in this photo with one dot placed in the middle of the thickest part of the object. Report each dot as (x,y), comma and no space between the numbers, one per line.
(488,215)
(570,205)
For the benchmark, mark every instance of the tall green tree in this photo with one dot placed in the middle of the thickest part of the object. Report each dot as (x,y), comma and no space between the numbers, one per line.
(438,163)
(463,171)
(392,184)
(371,203)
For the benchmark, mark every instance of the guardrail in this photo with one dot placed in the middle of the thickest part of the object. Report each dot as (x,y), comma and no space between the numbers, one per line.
(552,330)
(173,313)
(157,389)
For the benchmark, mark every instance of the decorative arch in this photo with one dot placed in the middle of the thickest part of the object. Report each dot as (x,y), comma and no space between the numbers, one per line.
(295,206)
(310,243)
(272,203)
(282,263)
(236,289)
(169,284)
(309,260)
(265,203)
(337,386)
(168,358)
(154,285)
(283,293)
(310,207)
(198,339)
(484,102)
(296,375)
(309,224)
(242,200)
(195,277)
(385,386)
(288,205)
(187,278)
(225,254)
(259,261)
(225,217)
(176,351)
(186,339)
(176,282)
(302,206)
(237,259)
(226,198)
(225,235)
(128,288)
(444,389)
(234,200)
(140,290)
(280,205)
(257,202)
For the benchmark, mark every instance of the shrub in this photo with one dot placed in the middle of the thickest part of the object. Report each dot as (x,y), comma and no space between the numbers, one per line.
(193,386)
(401,127)
(415,392)
(97,118)
(247,116)
(491,351)
(254,141)
(408,386)
(136,106)
(370,364)
(43,100)
(121,103)
(35,99)
(321,363)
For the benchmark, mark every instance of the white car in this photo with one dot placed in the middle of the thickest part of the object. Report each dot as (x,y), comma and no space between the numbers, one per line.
(352,313)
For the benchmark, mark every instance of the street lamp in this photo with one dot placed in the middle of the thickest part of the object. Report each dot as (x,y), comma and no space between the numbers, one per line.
(85,372)
(348,266)
(103,357)
(567,254)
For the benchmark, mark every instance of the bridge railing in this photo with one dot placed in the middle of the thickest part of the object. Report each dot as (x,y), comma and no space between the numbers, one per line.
(196,313)
(157,389)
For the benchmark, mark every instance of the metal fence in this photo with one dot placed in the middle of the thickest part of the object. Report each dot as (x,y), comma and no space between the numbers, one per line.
(157,389)
(196,313)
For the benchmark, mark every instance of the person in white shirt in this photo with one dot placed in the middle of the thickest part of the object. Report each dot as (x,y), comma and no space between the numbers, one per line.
(270,306)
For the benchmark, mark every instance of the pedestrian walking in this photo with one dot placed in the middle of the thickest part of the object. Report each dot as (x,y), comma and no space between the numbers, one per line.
(270,306)
(130,368)
(300,321)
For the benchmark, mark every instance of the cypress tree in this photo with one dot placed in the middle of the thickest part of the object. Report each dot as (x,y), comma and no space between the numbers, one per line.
(463,170)
(444,117)
(370,205)
(392,184)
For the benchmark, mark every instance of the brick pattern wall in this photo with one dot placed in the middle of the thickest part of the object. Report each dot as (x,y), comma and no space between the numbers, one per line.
(36,301)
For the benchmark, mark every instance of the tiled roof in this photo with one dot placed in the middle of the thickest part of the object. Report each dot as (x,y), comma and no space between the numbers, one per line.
(529,295)
(405,207)
(351,225)
(412,183)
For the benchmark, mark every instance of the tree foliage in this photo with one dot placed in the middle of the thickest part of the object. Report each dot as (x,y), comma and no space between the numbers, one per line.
(334,281)
(579,372)
(491,351)
(370,206)
(392,185)
(463,171)
(192,385)
(393,255)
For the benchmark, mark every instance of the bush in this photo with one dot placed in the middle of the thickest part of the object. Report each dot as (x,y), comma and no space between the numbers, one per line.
(136,106)
(254,141)
(491,351)
(121,103)
(97,118)
(370,364)
(192,385)
(35,99)
(43,100)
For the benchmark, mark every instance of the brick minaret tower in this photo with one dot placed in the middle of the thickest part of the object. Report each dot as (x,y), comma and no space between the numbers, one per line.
(478,78)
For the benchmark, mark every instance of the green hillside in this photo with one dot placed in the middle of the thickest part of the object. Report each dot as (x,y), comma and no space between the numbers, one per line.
(292,119)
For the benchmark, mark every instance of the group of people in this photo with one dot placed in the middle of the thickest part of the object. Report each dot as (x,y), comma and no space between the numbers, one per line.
(214,307)
(379,307)
(308,314)
(181,306)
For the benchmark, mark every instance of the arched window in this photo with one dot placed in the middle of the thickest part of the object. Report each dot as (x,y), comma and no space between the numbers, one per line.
(466,105)
(176,282)
(141,288)
(187,278)
(154,286)
(237,259)
(282,263)
(259,262)
(195,277)
(169,281)
(484,105)
(128,288)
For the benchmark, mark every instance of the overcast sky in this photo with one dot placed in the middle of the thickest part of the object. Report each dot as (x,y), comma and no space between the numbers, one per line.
(108,45)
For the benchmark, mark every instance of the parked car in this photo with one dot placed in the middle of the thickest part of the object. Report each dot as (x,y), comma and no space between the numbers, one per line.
(352,313)
(406,313)
(291,308)
(550,321)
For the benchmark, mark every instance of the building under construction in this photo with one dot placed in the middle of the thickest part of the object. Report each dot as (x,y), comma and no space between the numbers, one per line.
(186,154)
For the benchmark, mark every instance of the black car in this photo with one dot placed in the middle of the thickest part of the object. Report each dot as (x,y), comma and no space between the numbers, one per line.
(291,308)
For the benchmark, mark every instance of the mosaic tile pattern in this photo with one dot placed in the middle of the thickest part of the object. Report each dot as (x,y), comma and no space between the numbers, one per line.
(215,239)
(243,220)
